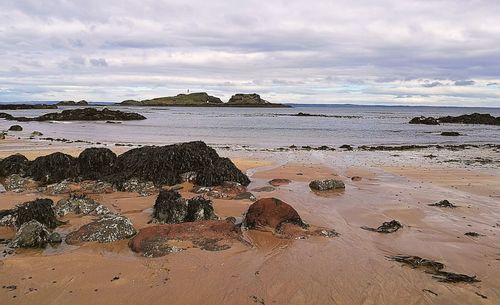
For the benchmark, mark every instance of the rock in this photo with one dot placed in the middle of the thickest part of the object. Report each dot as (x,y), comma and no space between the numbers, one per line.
(26,106)
(96,163)
(475,118)
(473,234)
(434,268)
(136,186)
(356,178)
(107,229)
(17,184)
(209,235)
(279,182)
(271,213)
(56,188)
(96,187)
(326,185)
(79,204)
(40,210)
(14,164)
(31,234)
(2,135)
(189,176)
(15,128)
(424,120)
(200,208)
(450,134)
(264,189)
(219,171)
(8,218)
(55,238)
(346,147)
(250,100)
(170,207)
(228,190)
(36,134)
(82,114)
(386,227)
(245,196)
(443,204)
(53,168)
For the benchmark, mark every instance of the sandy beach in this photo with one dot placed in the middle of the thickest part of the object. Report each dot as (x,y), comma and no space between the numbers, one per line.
(351,268)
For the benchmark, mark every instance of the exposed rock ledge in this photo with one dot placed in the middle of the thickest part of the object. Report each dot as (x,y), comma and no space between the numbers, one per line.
(85,114)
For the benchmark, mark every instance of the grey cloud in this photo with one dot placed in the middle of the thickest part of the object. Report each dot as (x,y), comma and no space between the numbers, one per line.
(432,84)
(464,83)
(98,62)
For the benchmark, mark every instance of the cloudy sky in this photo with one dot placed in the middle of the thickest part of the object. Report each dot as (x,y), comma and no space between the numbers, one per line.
(428,52)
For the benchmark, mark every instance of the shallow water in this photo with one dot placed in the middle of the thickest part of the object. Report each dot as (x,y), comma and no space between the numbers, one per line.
(270,128)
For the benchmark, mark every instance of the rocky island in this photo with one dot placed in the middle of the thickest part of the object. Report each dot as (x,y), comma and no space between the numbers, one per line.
(73,103)
(85,114)
(202,99)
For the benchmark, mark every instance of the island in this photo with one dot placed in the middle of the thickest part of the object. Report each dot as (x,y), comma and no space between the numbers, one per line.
(203,99)
(73,103)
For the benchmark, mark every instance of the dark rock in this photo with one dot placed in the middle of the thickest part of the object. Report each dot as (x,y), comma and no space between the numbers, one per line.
(473,234)
(55,238)
(15,128)
(356,178)
(200,208)
(170,207)
(107,229)
(96,163)
(346,147)
(83,114)
(434,268)
(210,235)
(386,227)
(26,106)
(279,182)
(475,118)
(14,164)
(250,100)
(219,171)
(31,234)
(272,213)
(424,120)
(36,134)
(450,133)
(53,168)
(40,210)
(443,204)
(325,185)
(73,103)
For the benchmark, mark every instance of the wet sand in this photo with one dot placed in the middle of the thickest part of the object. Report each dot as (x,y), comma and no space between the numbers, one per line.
(349,269)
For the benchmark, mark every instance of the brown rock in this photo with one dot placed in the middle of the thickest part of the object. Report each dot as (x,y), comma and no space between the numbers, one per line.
(271,212)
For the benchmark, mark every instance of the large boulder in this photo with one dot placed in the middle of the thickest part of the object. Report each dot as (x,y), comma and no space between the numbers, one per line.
(40,210)
(95,163)
(223,169)
(14,164)
(31,234)
(271,213)
(326,185)
(53,168)
(107,229)
(170,207)
(15,128)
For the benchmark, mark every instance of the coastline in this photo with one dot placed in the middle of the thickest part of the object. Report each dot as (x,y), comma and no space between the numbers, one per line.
(315,270)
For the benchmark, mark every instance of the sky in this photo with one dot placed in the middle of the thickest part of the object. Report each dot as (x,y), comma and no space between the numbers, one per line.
(393,52)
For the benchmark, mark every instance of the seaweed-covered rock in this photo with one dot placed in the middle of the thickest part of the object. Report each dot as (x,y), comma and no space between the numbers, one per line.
(272,213)
(170,207)
(443,204)
(84,114)
(17,184)
(219,171)
(424,120)
(95,163)
(145,188)
(475,118)
(200,208)
(386,227)
(16,128)
(326,185)
(79,204)
(40,210)
(14,164)
(31,234)
(107,229)
(8,218)
(53,168)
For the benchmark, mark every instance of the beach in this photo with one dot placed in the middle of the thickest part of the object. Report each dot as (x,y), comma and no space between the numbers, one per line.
(351,268)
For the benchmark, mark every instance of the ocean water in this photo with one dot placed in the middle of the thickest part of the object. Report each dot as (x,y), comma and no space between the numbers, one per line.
(270,128)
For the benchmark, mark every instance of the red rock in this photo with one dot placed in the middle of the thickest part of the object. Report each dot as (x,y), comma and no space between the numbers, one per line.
(271,212)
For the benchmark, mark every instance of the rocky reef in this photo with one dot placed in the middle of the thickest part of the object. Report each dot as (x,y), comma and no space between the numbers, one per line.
(475,118)
(85,114)
(157,164)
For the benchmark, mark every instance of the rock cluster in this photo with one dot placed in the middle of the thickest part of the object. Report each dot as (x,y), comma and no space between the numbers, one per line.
(84,114)
(170,207)
(475,118)
(159,165)
(79,204)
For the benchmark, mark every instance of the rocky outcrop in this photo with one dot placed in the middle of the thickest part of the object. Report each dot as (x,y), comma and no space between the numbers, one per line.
(271,213)
(326,185)
(16,128)
(85,114)
(424,120)
(191,99)
(159,165)
(79,204)
(107,229)
(26,106)
(40,210)
(170,207)
(475,118)
(73,103)
(250,100)
(17,184)
(209,235)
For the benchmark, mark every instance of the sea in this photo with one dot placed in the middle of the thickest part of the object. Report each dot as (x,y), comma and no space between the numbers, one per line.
(270,128)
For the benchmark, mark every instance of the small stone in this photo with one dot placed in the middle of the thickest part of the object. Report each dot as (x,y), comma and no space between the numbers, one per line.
(325,185)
